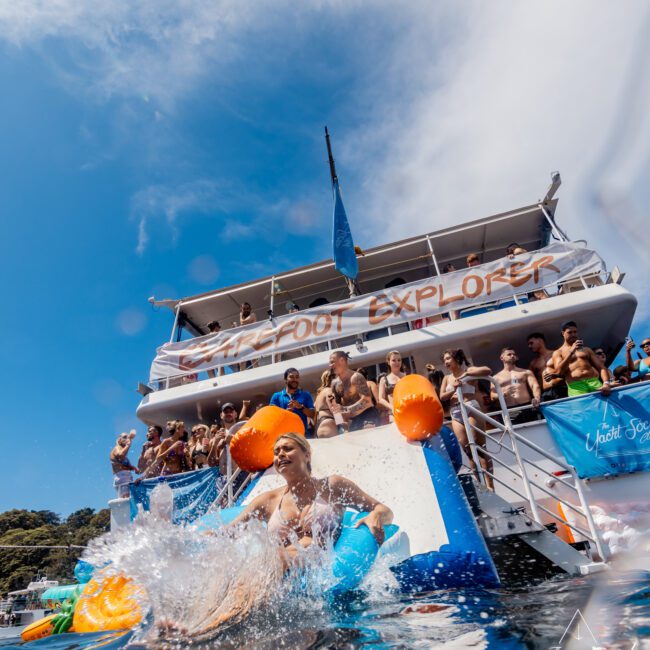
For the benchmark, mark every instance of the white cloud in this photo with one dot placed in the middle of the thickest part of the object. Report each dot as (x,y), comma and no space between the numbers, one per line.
(168,203)
(512,92)
(458,110)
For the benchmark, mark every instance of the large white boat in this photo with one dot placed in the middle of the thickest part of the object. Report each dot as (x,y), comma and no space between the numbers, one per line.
(543,506)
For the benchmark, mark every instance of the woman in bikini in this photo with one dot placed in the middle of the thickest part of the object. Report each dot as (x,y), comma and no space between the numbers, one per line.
(309,510)
(642,366)
(324,427)
(305,513)
(199,446)
(456,362)
(388,383)
(173,453)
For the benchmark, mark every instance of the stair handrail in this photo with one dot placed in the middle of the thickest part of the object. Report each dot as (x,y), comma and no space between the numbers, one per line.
(515,438)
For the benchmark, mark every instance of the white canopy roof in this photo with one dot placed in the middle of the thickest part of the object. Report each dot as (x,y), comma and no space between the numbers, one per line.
(402,261)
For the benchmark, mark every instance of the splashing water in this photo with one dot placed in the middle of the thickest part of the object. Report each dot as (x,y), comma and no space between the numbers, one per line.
(199,585)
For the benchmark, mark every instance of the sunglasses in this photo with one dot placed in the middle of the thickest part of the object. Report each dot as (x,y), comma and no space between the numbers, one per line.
(645,344)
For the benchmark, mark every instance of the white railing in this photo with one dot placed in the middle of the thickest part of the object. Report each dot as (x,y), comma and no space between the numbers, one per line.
(228,495)
(521,462)
(577,283)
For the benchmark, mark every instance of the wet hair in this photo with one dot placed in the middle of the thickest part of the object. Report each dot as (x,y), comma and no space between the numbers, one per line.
(569,323)
(288,371)
(157,428)
(536,335)
(341,354)
(301,441)
(457,355)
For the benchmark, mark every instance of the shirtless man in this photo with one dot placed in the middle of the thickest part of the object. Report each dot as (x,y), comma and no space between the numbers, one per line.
(351,392)
(147,465)
(553,386)
(581,368)
(121,465)
(519,387)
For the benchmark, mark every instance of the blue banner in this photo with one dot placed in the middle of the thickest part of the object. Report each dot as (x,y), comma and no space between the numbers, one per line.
(345,259)
(602,436)
(194,492)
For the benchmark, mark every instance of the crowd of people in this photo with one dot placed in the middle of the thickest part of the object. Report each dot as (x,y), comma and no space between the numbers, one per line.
(347,400)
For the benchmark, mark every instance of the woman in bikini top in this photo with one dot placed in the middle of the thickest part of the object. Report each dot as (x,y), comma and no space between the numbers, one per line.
(388,383)
(309,510)
(172,453)
(324,426)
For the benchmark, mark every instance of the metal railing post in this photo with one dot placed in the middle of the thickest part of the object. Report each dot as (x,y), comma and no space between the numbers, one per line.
(515,448)
(588,516)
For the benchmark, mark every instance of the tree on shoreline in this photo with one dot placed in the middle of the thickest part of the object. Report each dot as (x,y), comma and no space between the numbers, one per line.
(18,566)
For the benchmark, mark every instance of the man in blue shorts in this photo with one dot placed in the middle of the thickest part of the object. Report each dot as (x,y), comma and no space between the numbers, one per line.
(293,398)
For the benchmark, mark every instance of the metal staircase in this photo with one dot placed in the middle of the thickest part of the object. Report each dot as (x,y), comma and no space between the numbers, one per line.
(524,546)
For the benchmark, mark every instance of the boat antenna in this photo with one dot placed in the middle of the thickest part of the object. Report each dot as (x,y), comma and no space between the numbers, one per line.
(330,157)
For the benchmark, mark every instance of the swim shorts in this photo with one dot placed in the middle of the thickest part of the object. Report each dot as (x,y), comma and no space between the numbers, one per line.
(584,386)
(369,417)
(456,413)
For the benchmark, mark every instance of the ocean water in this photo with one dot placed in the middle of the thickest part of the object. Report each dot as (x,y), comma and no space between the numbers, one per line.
(185,573)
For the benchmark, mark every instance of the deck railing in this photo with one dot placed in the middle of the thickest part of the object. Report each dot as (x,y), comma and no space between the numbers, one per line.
(577,283)
(516,442)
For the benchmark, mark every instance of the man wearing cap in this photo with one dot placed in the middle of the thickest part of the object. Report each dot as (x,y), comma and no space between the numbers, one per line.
(293,398)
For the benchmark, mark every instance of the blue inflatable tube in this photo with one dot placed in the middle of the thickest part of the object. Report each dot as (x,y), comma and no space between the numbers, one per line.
(354,552)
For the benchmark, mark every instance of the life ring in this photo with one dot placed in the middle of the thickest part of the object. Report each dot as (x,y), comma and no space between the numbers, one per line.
(252,446)
(108,603)
(416,408)
(38,629)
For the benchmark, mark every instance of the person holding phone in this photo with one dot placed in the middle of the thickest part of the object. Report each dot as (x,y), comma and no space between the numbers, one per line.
(582,370)
(641,365)
(121,465)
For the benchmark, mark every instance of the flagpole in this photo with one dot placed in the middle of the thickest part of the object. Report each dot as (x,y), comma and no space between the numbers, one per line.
(331,158)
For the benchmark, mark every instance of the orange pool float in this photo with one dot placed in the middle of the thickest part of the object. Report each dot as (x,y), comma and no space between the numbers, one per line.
(39,629)
(108,603)
(416,408)
(252,446)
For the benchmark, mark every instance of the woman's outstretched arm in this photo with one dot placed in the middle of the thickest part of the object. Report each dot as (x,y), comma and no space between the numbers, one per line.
(348,493)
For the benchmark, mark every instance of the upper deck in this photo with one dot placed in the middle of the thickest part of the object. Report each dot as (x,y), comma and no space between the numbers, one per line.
(481,324)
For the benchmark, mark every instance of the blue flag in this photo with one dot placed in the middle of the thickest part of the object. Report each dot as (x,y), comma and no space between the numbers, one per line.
(345,259)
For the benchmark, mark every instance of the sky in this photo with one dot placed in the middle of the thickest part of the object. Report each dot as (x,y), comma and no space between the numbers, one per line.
(168,148)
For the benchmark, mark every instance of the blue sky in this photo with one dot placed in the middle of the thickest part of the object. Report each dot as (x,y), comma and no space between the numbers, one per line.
(169,148)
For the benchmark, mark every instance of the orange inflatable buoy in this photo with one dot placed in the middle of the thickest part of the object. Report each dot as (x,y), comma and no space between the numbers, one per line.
(108,603)
(38,629)
(252,446)
(416,408)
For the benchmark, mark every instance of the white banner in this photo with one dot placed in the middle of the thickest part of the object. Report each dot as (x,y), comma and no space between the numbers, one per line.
(489,282)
